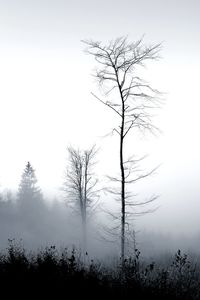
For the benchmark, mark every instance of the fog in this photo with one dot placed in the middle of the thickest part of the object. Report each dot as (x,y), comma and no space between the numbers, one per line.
(46,106)
(48,222)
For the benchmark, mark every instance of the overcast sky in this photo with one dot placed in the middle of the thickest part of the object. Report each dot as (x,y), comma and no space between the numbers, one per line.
(45,87)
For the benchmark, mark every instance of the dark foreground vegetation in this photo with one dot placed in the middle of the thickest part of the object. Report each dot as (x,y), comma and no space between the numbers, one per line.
(50,272)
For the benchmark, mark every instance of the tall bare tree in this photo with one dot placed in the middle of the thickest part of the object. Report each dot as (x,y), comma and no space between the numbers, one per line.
(129,97)
(80,184)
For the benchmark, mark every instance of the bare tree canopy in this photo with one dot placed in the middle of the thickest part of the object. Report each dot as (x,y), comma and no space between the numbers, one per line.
(129,97)
(80,183)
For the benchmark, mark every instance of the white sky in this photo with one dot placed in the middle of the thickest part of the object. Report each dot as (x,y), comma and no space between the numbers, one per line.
(45,87)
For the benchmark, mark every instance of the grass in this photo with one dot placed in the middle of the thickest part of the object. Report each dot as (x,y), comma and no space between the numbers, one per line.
(63,274)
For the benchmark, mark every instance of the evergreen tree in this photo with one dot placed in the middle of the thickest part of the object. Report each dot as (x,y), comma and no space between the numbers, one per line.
(29,192)
(31,208)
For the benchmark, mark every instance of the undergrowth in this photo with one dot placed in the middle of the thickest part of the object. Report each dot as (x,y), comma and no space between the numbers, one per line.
(52,272)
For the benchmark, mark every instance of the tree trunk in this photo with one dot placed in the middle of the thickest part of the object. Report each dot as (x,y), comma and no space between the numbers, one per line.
(85,207)
(122,188)
(84,232)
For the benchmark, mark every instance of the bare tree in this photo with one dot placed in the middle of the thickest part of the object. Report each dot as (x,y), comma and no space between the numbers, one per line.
(80,184)
(130,98)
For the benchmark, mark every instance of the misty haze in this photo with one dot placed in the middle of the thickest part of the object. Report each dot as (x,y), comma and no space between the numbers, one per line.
(99,157)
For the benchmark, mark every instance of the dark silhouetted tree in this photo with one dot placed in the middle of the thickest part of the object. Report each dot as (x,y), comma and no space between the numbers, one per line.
(130,98)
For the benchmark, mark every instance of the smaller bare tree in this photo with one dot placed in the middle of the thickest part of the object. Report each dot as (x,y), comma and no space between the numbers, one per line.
(80,185)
